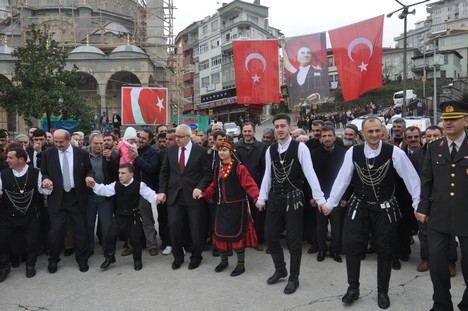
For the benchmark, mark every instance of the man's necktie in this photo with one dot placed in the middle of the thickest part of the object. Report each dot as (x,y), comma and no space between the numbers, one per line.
(454,150)
(66,173)
(182,159)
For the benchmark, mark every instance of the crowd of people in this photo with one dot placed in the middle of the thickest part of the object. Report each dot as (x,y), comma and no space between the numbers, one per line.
(356,194)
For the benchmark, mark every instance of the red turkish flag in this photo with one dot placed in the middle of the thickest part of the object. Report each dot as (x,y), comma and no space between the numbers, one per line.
(257,71)
(358,56)
(144,105)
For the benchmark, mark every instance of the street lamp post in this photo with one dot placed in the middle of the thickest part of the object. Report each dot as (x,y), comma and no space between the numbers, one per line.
(404,13)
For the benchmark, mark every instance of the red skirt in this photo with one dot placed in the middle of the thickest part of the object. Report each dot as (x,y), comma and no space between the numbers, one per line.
(249,240)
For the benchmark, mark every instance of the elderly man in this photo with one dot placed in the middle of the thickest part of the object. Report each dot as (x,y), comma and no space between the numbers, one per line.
(66,170)
(350,136)
(268,136)
(185,173)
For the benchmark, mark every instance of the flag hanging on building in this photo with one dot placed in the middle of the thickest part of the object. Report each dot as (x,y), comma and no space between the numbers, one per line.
(357,49)
(256,71)
(306,68)
(144,105)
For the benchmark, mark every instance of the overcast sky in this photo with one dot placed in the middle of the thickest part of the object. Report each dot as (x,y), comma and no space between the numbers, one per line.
(301,17)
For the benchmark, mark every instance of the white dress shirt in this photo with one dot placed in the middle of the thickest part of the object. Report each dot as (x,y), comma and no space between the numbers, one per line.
(305,159)
(188,149)
(401,163)
(109,190)
(69,154)
(302,74)
(458,142)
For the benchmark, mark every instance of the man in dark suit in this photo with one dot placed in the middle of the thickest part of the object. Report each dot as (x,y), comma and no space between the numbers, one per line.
(185,173)
(66,170)
(443,201)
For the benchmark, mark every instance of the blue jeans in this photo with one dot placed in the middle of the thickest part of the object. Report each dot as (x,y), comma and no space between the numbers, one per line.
(104,207)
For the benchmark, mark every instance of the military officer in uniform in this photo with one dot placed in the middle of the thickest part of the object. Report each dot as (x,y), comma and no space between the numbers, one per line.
(444,200)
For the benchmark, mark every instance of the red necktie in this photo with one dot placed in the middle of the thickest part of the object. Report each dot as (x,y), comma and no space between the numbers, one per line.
(182,160)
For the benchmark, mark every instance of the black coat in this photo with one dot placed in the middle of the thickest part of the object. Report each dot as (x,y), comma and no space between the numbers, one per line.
(444,186)
(50,169)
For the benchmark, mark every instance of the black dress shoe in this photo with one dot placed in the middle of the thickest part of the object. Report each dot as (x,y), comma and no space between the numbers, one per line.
(83,267)
(383,301)
(321,256)
(293,284)
(176,264)
(396,265)
(336,257)
(108,262)
(279,274)
(351,295)
(52,267)
(137,264)
(193,265)
(30,271)
(238,271)
(3,274)
(69,252)
(221,266)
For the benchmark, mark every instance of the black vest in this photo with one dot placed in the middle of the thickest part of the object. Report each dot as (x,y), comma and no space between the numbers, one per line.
(230,187)
(380,191)
(14,186)
(286,182)
(128,198)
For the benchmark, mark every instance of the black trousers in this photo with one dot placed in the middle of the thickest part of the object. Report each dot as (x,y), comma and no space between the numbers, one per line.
(29,225)
(128,227)
(439,245)
(58,226)
(336,225)
(179,215)
(309,223)
(259,221)
(402,247)
(278,218)
(163,224)
(424,245)
(355,237)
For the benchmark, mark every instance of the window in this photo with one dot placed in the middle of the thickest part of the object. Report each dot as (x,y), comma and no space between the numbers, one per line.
(443,74)
(215,78)
(336,77)
(204,48)
(228,37)
(215,43)
(205,81)
(228,74)
(252,19)
(217,60)
(330,78)
(214,26)
(204,65)
(205,29)
(330,61)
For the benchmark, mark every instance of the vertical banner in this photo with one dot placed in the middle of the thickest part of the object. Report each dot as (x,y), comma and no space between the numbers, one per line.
(306,67)
(357,49)
(144,105)
(257,71)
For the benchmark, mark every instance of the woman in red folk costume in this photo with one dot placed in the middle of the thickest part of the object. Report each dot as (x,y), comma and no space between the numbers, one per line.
(233,227)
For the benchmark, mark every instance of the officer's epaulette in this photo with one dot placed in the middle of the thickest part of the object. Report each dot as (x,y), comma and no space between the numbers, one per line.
(437,139)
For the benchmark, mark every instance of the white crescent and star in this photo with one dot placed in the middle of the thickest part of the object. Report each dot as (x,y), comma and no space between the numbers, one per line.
(160,104)
(253,56)
(359,41)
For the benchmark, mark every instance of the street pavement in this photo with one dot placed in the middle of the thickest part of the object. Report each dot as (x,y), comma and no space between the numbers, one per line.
(158,287)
